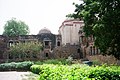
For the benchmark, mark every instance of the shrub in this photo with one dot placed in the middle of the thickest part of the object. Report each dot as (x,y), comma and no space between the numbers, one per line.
(35,69)
(16,66)
(76,72)
(25,50)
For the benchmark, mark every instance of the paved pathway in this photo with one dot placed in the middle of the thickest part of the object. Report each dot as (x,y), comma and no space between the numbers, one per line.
(13,75)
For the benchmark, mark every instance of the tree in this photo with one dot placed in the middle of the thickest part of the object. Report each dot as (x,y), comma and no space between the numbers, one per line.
(28,49)
(102,20)
(15,28)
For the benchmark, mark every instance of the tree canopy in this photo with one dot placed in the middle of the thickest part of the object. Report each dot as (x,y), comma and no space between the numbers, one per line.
(102,20)
(15,28)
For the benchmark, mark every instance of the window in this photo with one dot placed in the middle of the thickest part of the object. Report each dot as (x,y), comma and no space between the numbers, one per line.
(46,43)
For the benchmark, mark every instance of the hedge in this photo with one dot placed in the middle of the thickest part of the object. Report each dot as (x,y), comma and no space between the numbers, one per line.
(18,66)
(76,72)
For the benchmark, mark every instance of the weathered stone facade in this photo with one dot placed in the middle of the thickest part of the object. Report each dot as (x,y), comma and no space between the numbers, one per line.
(44,36)
(66,51)
(87,45)
(52,46)
(70,41)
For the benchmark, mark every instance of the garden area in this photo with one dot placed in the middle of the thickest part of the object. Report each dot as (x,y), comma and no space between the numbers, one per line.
(63,69)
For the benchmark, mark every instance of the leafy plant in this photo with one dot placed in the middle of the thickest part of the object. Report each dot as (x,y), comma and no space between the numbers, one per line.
(76,72)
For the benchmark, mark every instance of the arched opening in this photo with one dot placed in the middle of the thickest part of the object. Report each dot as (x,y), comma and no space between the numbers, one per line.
(10,43)
(78,50)
(46,54)
(91,50)
(10,56)
(80,53)
(58,43)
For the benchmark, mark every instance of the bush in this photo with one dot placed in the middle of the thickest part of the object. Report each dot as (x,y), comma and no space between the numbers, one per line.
(18,66)
(35,69)
(25,50)
(76,72)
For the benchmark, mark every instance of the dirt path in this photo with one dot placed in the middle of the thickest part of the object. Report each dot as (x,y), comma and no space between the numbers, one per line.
(13,75)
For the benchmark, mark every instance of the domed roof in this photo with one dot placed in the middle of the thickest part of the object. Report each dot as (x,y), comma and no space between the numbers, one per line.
(44,30)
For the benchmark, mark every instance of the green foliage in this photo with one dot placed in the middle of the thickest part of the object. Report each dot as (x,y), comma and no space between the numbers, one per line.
(102,20)
(15,28)
(76,72)
(27,49)
(54,61)
(35,69)
(18,66)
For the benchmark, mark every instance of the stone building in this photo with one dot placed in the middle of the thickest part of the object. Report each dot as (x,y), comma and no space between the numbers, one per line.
(44,36)
(71,32)
(87,45)
(70,41)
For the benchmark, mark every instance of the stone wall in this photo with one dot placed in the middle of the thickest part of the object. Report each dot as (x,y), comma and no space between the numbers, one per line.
(66,51)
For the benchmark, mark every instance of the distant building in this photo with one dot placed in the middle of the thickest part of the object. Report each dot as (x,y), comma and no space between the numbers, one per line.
(69,31)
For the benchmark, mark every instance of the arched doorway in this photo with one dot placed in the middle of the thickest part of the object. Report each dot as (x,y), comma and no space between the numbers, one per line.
(46,54)
(58,43)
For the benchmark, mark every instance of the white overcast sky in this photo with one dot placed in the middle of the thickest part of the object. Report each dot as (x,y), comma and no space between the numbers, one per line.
(37,14)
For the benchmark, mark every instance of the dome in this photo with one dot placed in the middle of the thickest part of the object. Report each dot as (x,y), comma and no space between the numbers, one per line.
(44,30)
